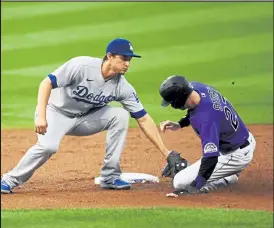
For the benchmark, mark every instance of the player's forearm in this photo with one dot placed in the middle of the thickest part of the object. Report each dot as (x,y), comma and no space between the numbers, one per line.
(43,96)
(149,127)
(207,166)
(184,122)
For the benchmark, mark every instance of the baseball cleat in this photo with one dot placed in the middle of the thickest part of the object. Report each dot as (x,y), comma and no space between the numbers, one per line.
(220,183)
(117,184)
(5,188)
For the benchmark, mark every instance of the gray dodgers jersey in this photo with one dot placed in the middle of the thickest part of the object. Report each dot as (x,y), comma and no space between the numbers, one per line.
(79,86)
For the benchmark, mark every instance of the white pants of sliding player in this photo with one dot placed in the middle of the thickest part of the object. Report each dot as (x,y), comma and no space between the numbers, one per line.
(225,171)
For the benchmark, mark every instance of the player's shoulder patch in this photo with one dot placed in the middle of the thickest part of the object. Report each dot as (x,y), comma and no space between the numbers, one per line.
(210,148)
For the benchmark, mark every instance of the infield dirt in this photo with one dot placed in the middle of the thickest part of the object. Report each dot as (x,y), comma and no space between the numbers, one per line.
(67,179)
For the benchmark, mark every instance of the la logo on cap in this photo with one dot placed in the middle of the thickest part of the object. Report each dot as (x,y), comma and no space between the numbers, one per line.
(130,47)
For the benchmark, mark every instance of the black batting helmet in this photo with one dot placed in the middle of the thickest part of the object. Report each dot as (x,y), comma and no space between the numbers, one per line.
(175,90)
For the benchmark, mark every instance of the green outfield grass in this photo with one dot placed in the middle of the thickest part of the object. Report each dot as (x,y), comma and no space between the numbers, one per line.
(214,43)
(155,217)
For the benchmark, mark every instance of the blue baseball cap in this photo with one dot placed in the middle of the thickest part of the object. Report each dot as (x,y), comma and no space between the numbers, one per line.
(122,47)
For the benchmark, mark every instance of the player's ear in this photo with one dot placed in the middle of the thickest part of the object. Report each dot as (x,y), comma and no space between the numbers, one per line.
(109,56)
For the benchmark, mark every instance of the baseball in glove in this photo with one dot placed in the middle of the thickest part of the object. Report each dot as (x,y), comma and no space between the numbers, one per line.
(175,163)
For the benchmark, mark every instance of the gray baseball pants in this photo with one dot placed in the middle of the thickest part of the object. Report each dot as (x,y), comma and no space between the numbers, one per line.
(113,119)
(225,171)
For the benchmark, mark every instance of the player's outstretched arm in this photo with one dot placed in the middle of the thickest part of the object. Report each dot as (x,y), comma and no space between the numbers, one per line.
(149,127)
(174,126)
(42,101)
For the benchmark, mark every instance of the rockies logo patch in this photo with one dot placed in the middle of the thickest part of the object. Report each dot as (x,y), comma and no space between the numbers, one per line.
(210,148)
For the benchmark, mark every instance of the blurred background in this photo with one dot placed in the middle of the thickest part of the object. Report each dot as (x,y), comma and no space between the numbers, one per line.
(228,45)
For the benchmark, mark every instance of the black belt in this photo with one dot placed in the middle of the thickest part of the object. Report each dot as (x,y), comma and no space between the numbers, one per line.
(246,143)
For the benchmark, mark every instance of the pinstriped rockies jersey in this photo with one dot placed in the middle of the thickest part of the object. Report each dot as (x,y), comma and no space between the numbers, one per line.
(216,122)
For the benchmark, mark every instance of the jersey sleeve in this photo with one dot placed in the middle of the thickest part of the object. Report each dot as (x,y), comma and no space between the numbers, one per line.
(184,122)
(65,74)
(210,134)
(130,100)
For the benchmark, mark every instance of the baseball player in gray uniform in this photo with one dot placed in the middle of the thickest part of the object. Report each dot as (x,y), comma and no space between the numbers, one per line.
(73,100)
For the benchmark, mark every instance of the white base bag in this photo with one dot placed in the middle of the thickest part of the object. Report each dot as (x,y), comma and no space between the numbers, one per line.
(134,178)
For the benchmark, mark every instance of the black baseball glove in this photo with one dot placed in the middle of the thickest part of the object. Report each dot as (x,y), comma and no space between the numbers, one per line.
(175,163)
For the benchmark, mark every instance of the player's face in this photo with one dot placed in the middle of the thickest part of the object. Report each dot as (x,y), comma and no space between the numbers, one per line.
(177,105)
(120,63)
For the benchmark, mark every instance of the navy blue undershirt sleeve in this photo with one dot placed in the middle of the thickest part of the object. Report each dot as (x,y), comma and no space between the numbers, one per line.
(137,115)
(53,81)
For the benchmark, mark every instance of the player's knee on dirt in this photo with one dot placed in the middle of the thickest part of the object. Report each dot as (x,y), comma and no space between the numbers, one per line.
(179,182)
(121,118)
(50,149)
